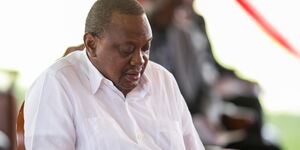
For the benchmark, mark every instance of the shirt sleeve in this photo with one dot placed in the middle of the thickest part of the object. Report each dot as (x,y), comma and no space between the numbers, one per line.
(48,116)
(190,135)
(191,138)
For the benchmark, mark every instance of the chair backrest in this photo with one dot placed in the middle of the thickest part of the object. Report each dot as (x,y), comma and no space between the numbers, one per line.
(20,129)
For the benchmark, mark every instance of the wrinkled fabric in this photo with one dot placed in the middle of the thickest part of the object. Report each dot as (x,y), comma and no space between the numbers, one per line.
(72,106)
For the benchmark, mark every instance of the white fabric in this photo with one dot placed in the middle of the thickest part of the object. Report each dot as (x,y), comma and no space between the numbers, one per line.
(72,106)
(4,140)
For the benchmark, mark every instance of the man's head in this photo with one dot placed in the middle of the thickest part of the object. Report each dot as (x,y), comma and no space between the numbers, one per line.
(117,38)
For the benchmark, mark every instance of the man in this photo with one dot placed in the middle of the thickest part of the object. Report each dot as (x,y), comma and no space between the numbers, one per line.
(109,96)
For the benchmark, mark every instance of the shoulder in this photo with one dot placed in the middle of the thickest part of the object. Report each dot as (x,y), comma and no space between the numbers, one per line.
(59,72)
(65,67)
(69,63)
(159,75)
(154,69)
(164,87)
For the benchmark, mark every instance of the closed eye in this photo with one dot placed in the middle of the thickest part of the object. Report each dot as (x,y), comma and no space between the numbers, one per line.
(126,49)
(146,49)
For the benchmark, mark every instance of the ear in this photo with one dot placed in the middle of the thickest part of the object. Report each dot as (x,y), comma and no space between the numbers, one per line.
(90,43)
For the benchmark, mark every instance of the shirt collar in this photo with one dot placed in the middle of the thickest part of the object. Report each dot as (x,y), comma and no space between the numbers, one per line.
(94,76)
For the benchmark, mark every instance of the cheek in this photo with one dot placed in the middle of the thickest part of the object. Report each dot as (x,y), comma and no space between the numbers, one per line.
(117,68)
(107,65)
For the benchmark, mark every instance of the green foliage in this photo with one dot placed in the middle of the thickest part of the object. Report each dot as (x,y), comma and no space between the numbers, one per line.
(288,126)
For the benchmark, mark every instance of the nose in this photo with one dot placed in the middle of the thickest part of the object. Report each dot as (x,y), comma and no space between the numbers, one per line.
(138,59)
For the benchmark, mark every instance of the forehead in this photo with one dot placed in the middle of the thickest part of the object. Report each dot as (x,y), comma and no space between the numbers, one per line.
(130,26)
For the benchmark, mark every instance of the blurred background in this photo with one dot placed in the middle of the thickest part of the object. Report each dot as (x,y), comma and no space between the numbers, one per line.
(34,34)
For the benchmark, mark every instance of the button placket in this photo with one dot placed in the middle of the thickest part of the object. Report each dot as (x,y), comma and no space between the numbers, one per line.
(138,134)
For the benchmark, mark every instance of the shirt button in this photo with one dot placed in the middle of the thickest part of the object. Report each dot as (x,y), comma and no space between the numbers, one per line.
(139,137)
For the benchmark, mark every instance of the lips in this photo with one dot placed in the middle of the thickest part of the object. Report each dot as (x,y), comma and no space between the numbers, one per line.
(133,75)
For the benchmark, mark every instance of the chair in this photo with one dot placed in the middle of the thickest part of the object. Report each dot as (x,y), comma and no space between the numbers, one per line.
(20,129)
(73,48)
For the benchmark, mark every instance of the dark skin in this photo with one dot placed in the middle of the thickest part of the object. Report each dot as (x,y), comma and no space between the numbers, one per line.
(121,54)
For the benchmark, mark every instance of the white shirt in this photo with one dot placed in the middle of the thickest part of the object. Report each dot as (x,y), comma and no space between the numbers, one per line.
(72,106)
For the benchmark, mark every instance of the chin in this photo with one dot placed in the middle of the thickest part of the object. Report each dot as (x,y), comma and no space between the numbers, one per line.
(129,86)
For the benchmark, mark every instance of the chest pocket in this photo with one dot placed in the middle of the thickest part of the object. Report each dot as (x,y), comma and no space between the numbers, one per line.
(169,136)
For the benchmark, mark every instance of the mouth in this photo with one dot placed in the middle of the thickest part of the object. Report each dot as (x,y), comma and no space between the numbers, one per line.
(133,75)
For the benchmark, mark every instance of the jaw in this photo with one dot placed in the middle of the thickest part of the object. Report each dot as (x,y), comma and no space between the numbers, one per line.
(127,81)
(126,86)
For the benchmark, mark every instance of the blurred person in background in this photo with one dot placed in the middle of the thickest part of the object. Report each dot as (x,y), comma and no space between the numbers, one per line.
(225,108)
(8,110)
(7,121)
